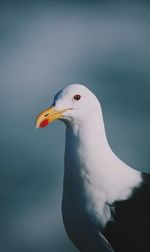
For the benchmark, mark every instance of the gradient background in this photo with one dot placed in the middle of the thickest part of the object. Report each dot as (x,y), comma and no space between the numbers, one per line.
(44,47)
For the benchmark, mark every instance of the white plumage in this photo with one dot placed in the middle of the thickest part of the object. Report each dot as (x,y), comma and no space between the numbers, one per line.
(94,177)
(105,178)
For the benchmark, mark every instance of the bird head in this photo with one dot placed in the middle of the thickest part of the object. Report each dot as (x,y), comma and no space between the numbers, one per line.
(74,103)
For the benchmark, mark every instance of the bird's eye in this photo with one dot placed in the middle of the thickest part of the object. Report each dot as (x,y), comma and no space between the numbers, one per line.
(77,97)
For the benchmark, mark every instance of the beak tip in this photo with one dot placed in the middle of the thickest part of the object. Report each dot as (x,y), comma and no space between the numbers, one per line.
(47,116)
(36,126)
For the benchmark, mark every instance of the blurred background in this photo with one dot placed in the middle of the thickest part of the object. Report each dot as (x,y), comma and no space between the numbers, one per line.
(45,46)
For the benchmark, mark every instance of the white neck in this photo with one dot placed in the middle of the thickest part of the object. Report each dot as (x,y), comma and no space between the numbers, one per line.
(88,135)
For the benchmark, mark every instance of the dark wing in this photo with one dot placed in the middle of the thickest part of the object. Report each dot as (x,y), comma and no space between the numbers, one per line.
(130,229)
(92,241)
(82,232)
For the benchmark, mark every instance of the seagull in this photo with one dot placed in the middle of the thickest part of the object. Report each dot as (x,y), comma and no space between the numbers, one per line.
(106,203)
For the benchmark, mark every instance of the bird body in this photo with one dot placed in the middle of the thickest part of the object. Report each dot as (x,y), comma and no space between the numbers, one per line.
(104,178)
(102,195)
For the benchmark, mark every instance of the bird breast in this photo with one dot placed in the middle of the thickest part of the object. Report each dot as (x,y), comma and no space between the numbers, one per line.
(94,177)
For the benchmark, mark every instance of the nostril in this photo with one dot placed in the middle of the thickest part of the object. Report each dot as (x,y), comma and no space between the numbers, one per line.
(46,115)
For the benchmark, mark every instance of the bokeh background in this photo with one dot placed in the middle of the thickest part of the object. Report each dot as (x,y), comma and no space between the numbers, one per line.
(45,46)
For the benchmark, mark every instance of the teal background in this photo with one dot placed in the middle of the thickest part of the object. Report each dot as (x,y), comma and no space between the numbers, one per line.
(45,46)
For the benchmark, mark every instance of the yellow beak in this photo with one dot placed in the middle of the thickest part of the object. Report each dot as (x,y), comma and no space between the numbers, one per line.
(47,116)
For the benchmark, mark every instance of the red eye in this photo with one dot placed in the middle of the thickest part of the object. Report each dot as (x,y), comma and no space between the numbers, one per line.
(77,97)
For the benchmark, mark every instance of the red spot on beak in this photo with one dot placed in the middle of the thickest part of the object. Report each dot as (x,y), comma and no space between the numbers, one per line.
(44,123)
